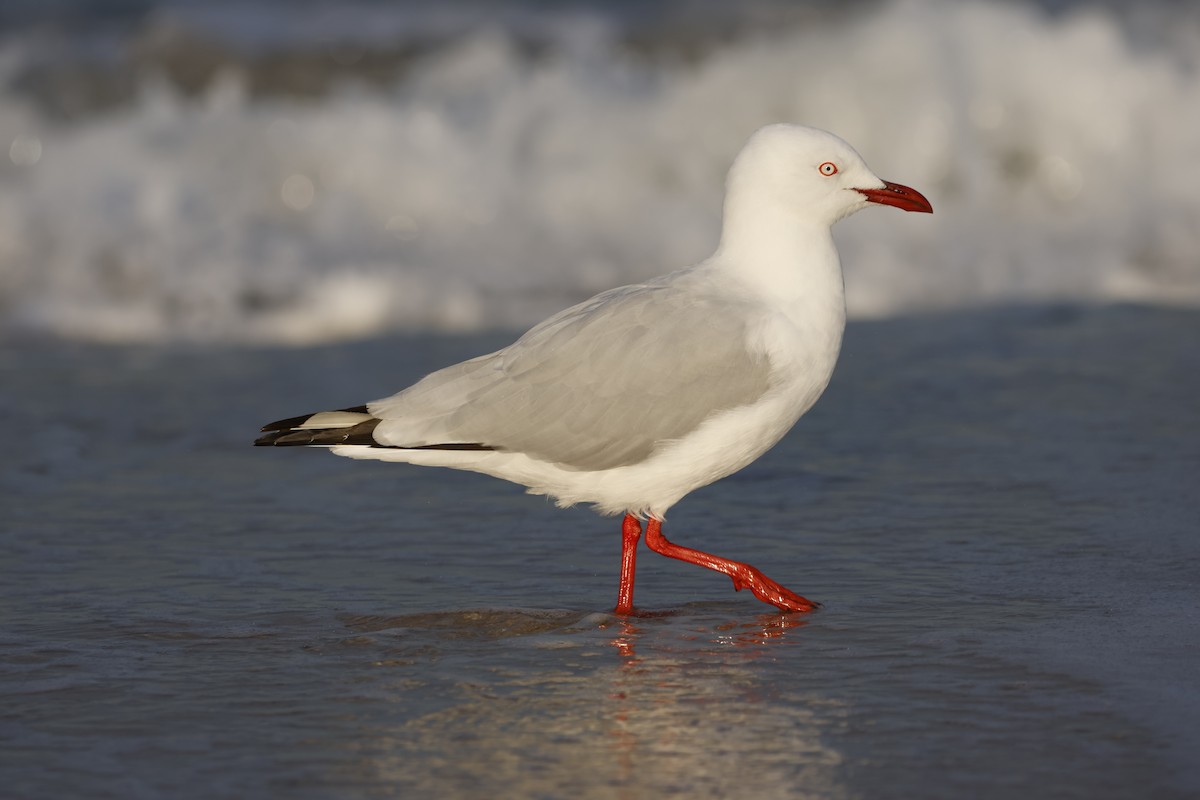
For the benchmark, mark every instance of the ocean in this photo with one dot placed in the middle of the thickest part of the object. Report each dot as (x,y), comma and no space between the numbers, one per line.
(213,215)
(997,509)
(295,173)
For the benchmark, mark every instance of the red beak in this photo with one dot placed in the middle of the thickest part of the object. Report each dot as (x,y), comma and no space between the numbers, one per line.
(902,197)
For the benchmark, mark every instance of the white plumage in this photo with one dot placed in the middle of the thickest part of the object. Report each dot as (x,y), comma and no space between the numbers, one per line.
(632,399)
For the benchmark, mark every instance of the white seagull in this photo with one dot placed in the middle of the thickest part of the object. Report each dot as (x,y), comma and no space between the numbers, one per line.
(634,398)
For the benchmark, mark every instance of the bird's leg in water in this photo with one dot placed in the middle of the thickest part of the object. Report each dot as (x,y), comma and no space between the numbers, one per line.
(631,532)
(744,576)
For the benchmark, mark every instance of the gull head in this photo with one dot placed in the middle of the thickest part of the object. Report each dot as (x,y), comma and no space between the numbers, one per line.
(811,174)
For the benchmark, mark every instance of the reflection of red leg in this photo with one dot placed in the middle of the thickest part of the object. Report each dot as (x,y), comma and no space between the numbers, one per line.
(744,576)
(631,531)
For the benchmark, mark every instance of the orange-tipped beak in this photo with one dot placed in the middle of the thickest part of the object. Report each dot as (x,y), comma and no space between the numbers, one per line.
(902,197)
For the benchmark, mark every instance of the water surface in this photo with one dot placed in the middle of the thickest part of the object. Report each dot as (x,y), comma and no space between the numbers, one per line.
(998,510)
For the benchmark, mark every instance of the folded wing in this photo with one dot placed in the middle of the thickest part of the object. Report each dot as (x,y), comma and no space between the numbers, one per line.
(594,387)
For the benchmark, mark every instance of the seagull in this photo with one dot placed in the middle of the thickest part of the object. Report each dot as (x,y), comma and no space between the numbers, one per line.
(632,399)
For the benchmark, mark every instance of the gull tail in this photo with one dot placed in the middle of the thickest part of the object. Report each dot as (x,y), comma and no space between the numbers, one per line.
(346,426)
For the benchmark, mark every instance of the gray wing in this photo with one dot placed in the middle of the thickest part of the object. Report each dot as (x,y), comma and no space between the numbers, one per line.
(597,386)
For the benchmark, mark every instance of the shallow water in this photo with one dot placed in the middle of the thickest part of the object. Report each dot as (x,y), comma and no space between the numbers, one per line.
(997,509)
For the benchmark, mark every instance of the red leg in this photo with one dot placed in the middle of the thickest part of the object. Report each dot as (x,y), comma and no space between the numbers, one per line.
(744,576)
(631,531)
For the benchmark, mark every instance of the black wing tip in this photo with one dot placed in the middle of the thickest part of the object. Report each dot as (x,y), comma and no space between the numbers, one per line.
(292,422)
(283,424)
(287,433)
(272,439)
(340,436)
(446,446)
(361,434)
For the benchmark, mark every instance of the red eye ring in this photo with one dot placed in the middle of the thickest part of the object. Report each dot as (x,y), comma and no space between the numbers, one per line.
(828,168)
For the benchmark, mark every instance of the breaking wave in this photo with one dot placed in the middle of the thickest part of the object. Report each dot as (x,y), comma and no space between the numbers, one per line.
(486,183)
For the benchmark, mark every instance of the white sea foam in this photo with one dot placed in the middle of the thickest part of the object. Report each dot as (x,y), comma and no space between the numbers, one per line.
(488,188)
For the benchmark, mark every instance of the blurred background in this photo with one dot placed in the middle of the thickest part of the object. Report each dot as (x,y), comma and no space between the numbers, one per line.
(272,171)
(205,203)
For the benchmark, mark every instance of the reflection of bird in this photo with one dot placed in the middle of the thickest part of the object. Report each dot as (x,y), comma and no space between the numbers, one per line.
(634,398)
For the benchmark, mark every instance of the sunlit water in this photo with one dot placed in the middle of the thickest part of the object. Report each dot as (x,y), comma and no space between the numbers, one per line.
(998,510)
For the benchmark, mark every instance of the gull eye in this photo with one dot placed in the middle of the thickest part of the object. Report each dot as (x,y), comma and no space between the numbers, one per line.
(828,168)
